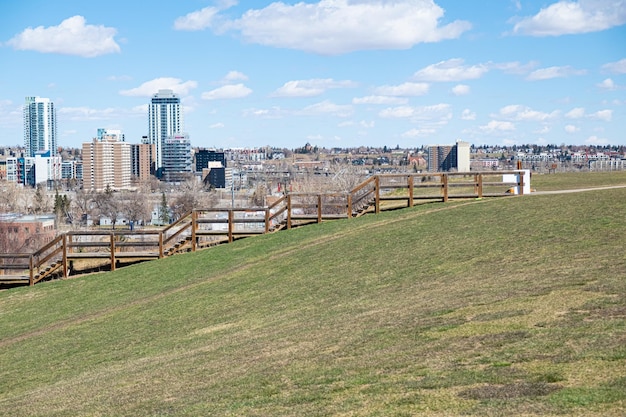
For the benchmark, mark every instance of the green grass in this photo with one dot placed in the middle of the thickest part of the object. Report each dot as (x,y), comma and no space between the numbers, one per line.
(511,306)
(573,180)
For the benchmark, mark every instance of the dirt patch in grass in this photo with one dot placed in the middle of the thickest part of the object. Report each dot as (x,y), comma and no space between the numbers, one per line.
(509,391)
(501,339)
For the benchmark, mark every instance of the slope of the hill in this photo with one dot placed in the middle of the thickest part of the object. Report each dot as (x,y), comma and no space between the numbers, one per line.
(512,306)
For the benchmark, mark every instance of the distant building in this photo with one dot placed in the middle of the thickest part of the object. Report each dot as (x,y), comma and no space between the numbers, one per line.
(106,163)
(110,134)
(142,161)
(26,233)
(165,119)
(41,169)
(40,126)
(442,158)
(212,165)
(177,158)
(204,156)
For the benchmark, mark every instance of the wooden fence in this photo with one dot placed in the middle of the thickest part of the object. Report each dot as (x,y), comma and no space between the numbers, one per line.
(202,228)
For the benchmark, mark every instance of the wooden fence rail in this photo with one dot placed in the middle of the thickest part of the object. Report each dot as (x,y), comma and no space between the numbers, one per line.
(202,228)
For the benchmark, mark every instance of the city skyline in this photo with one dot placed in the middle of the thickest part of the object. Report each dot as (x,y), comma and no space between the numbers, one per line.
(333,73)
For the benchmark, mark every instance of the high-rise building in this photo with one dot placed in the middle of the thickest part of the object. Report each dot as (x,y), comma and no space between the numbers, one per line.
(165,120)
(40,126)
(106,163)
(448,157)
(177,158)
(142,161)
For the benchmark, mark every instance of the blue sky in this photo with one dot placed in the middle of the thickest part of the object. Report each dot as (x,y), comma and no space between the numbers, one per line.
(334,73)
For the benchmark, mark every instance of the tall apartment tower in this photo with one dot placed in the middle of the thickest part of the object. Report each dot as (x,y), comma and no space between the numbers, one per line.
(40,126)
(142,161)
(165,120)
(106,163)
(448,157)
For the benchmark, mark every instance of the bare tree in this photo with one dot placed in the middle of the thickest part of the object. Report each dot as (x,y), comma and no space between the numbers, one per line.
(82,205)
(15,198)
(136,207)
(187,198)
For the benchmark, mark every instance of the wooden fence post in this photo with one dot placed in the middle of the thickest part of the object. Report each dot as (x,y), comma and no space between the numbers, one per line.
(267,220)
(410,184)
(377,193)
(64,243)
(161,248)
(194,225)
(31,268)
(288,211)
(444,181)
(349,197)
(520,183)
(319,208)
(231,226)
(480,185)
(112,237)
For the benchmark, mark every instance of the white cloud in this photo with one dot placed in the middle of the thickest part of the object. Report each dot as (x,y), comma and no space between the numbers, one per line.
(594,140)
(198,20)
(497,126)
(216,126)
(418,113)
(413,133)
(518,112)
(605,115)
(554,72)
(234,76)
(516,67)
(271,113)
(429,118)
(119,78)
(575,113)
(572,17)
(379,100)
(326,107)
(451,70)
(468,115)
(607,84)
(331,27)
(403,90)
(71,37)
(227,92)
(149,88)
(203,18)
(618,67)
(310,88)
(579,112)
(571,129)
(460,90)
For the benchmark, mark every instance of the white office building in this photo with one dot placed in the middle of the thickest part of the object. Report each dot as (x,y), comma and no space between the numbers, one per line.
(165,120)
(40,126)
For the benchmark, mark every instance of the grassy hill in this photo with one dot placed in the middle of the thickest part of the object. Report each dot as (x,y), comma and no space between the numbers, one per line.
(495,307)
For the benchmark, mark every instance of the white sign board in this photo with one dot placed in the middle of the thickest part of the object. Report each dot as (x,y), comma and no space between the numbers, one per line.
(514,178)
